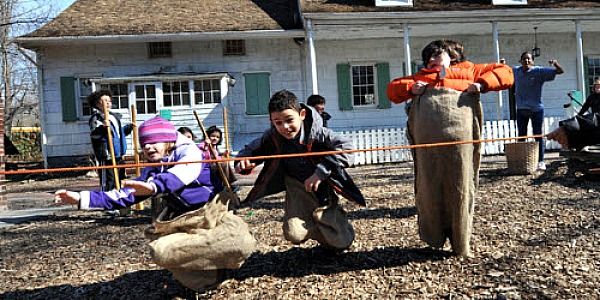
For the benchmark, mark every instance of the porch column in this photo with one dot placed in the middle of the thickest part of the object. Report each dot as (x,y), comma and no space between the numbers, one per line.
(312,57)
(580,67)
(407,60)
(499,105)
(3,200)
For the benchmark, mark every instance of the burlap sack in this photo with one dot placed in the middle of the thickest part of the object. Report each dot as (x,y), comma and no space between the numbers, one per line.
(197,244)
(304,219)
(446,178)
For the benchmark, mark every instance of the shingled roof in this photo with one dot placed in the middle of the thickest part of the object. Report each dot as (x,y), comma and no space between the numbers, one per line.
(347,6)
(133,17)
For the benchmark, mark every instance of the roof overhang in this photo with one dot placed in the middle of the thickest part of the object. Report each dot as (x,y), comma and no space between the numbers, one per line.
(445,17)
(34,42)
(358,25)
(162,77)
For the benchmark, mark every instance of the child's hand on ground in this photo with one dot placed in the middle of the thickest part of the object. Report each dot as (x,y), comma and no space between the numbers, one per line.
(559,135)
(141,188)
(244,167)
(312,183)
(418,88)
(64,197)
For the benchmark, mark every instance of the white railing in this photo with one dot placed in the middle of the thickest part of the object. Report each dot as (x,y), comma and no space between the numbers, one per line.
(381,138)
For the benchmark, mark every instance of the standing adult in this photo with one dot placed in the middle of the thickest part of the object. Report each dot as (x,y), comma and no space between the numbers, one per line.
(99,135)
(529,80)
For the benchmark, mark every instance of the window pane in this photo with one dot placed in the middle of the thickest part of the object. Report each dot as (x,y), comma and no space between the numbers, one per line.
(151,107)
(186,99)
(140,107)
(151,91)
(198,97)
(167,99)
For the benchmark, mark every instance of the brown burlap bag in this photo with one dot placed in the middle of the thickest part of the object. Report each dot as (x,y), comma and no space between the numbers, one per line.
(446,178)
(199,244)
(304,219)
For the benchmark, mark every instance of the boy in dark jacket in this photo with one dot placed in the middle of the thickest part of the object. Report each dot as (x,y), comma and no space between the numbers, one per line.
(311,205)
(99,135)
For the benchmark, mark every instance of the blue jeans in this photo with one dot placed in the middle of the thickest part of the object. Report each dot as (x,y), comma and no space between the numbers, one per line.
(537,121)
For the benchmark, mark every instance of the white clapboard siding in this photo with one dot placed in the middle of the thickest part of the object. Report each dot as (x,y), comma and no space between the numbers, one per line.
(388,137)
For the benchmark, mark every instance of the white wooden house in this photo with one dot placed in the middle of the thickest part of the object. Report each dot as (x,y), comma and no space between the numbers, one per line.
(174,57)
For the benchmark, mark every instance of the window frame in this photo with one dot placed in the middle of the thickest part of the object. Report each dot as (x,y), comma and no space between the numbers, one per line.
(375,102)
(234,47)
(388,3)
(211,91)
(221,88)
(590,74)
(181,94)
(159,50)
(509,2)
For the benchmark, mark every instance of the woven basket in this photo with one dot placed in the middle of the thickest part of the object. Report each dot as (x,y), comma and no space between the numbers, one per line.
(522,157)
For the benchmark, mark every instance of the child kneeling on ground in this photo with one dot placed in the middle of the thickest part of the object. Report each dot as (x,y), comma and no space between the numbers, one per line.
(195,237)
(311,205)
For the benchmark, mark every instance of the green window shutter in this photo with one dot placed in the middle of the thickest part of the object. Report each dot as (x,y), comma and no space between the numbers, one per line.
(344,87)
(383,79)
(68,99)
(588,81)
(258,93)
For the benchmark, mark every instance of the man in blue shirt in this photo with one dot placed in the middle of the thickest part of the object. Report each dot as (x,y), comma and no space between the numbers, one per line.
(529,80)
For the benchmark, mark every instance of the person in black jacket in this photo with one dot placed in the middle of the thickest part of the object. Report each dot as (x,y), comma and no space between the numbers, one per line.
(311,182)
(99,135)
(593,100)
(583,129)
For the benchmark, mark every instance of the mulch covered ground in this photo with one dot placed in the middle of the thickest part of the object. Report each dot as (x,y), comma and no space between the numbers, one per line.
(534,237)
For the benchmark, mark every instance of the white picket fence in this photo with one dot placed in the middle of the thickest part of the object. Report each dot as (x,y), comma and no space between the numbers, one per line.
(386,137)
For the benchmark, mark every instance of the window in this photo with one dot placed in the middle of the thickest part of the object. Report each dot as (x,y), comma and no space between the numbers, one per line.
(145,98)
(176,93)
(149,94)
(393,3)
(363,85)
(593,71)
(120,94)
(509,2)
(234,47)
(159,49)
(207,91)
(85,88)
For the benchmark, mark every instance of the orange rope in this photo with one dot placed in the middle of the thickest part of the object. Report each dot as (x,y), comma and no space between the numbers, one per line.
(265,157)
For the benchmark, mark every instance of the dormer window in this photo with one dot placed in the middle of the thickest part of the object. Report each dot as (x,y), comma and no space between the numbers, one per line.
(393,2)
(159,50)
(234,47)
(509,2)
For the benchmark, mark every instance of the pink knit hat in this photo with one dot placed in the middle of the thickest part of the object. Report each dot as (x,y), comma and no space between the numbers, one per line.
(157,130)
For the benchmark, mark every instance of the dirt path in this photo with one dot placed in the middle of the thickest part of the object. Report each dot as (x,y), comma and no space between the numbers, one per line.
(534,237)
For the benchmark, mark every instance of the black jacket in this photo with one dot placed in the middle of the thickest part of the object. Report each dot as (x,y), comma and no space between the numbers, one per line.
(330,168)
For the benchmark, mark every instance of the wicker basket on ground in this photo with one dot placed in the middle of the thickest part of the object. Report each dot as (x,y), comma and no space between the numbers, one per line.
(522,157)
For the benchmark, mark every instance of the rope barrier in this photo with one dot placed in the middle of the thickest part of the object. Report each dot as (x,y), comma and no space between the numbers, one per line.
(264,157)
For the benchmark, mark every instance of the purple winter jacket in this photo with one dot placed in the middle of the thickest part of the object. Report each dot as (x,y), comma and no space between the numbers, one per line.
(193,183)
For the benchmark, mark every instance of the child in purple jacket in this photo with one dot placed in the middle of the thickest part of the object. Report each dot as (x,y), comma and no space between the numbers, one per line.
(185,187)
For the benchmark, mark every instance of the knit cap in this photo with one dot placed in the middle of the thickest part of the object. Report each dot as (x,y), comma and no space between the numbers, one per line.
(157,130)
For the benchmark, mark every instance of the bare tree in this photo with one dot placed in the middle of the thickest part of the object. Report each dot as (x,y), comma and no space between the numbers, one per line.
(18,84)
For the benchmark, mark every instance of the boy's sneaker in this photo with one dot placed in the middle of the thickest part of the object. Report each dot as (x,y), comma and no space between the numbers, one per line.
(541,166)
